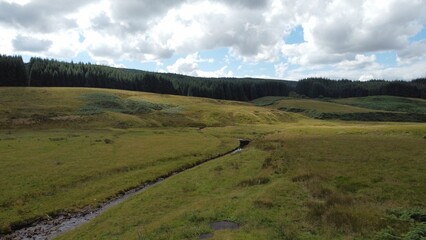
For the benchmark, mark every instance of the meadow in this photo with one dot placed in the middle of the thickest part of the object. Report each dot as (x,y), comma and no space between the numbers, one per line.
(319,181)
(66,149)
(372,108)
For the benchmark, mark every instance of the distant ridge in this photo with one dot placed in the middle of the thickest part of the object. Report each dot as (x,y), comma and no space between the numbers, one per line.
(52,73)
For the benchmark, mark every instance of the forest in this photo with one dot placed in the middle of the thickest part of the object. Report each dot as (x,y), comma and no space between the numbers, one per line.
(52,73)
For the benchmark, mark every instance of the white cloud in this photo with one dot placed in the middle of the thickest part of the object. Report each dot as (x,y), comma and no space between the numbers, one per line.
(6,37)
(156,30)
(341,35)
(280,69)
(189,66)
(337,30)
(404,72)
(40,15)
(306,54)
(413,52)
(20,2)
(361,61)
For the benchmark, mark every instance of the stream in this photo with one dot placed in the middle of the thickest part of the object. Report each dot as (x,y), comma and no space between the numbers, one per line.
(54,226)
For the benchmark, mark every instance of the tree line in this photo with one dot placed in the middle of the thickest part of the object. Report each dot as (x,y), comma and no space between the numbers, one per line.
(49,73)
(13,71)
(52,73)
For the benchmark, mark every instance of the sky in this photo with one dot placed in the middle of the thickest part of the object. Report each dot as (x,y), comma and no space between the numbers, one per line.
(282,39)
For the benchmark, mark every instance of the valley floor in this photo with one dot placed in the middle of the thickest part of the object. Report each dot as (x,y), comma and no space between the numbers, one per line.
(299,178)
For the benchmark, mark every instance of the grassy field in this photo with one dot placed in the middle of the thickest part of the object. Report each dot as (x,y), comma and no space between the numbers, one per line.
(308,105)
(55,155)
(322,182)
(376,108)
(387,103)
(300,178)
(50,170)
(101,108)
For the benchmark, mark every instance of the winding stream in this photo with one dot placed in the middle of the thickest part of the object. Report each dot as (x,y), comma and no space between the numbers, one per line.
(52,227)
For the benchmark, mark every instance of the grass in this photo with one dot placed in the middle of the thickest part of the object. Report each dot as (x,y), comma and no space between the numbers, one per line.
(106,102)
(58,156)
(81,108)
(44,172)
(342,188)
(377,108)
(310,105)
(387,103)
(63,149)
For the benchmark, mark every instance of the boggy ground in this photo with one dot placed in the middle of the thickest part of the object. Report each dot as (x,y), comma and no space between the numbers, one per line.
(63,150)
(330,181)
(298,179)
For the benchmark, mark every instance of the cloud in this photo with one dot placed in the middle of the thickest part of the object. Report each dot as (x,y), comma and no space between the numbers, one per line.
(250,4)
(306,54)
(187,65)
(156,30)
(361,61)
(338,34)
(338,30)
(40,15)
(29,44)
(136,15)
(280,69)
(190,66)
(414,51)
(400,72)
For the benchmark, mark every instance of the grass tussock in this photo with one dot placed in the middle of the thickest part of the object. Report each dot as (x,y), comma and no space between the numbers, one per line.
(105,102)
(254,182)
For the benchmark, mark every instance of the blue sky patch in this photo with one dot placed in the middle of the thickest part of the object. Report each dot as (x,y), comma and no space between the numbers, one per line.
(296,36)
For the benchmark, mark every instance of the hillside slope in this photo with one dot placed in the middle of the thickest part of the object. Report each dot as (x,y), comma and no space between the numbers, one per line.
(373,108)
(85,107)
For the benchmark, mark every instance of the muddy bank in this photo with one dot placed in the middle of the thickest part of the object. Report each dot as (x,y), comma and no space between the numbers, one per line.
(52,227)
(60,223)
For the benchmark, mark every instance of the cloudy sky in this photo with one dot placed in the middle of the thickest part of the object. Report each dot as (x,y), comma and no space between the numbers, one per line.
(286,39)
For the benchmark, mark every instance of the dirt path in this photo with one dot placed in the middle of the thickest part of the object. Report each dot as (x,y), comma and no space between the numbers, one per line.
(52,227)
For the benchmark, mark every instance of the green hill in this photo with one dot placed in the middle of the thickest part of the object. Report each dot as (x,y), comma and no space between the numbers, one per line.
(374,108)
(387,103)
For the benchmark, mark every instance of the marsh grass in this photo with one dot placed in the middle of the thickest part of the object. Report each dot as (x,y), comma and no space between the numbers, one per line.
(299,178)
(104,102)
(50,171)
(343,187)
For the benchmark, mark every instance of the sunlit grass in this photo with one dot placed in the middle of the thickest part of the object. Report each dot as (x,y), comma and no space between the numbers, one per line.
(300,178)
(324,182)
(46,171)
